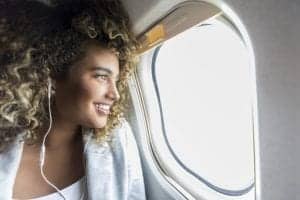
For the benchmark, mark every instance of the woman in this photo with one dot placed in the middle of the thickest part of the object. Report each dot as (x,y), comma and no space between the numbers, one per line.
(63,69)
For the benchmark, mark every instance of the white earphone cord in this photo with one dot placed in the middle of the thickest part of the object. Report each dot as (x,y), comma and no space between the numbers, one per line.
(43,147)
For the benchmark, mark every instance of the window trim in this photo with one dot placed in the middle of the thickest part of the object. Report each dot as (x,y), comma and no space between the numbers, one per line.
(230,16)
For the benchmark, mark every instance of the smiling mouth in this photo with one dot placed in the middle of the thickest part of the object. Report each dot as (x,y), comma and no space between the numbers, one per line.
(103,109)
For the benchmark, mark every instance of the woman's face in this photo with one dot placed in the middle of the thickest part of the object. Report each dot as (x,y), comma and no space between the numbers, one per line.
(86,96)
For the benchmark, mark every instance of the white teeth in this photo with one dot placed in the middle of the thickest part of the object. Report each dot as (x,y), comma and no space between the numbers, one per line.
(102,106)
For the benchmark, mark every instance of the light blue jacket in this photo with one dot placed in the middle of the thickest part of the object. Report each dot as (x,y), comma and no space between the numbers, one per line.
(113,169)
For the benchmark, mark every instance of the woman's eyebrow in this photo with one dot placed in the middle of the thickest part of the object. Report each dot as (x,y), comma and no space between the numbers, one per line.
(99,68)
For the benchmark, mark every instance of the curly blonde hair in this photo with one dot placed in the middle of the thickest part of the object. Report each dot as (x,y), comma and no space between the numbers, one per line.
(39,41)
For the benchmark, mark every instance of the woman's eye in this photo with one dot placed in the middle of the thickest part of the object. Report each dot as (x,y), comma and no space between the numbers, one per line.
(101,76)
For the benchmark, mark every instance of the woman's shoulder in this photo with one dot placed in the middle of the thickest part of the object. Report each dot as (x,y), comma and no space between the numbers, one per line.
(117,138)
(122,133)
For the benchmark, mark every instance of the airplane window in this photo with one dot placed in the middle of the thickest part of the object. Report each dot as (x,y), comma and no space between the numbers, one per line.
(203,83)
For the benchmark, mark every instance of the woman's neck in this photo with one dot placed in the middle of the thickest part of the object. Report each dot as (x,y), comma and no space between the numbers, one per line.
(63,132)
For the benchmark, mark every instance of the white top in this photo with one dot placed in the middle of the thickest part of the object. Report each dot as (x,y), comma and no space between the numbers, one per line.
(112,167)
(74,191)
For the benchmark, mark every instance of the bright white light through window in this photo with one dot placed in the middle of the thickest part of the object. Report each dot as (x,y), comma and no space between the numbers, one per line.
(204,83)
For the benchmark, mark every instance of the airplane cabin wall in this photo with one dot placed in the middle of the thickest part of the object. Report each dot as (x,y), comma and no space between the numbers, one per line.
(273,27)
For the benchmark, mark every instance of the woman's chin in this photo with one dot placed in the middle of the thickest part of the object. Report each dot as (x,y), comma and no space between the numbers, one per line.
(100,124)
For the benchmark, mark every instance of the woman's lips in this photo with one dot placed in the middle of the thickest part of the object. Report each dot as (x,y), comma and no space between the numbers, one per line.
(103,109)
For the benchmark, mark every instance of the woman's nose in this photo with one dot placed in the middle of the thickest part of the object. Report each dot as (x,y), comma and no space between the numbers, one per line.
(113,92)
